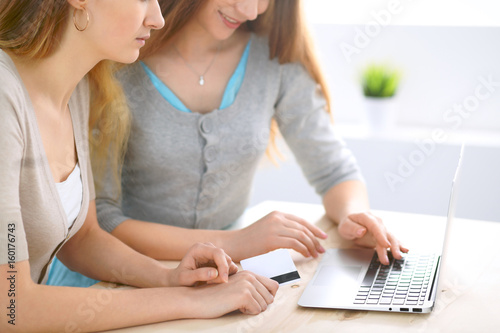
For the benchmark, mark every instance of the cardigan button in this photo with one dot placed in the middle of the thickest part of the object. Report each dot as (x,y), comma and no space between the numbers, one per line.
(207,125)
(210,154)
(204,202)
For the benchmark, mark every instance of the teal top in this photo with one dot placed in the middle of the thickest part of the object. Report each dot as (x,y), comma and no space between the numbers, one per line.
(232,88)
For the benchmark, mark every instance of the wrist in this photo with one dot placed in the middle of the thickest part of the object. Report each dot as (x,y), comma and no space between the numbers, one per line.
(227,240)
(186,302)
(164,277)
(339,215)
(233,245)
(344,199)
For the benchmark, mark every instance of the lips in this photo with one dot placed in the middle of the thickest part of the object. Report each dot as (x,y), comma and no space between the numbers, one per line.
(229,21)
(142,40)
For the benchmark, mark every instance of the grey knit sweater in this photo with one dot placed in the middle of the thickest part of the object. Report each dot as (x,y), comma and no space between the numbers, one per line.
(195,170)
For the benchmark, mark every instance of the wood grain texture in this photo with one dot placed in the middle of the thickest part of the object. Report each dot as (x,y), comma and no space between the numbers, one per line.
(467,299)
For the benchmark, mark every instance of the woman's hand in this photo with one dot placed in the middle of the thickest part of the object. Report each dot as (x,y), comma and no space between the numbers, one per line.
(203,263)
(274,231)
(247,292)
(368,230)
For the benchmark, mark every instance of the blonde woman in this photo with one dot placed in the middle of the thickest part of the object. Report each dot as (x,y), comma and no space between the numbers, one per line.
(219,80)
(47,203)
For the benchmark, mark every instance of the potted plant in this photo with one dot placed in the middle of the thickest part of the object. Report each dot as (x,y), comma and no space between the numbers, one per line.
(380,83)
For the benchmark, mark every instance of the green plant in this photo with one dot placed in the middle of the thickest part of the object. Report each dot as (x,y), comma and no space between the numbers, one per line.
(380,81)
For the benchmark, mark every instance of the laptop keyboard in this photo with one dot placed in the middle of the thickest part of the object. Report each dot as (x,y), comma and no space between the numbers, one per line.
(402,282)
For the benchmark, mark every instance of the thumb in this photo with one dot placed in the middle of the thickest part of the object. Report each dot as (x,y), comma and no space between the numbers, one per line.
(349,229)
(202,274)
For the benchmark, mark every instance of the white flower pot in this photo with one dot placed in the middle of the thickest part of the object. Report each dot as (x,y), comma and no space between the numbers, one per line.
(381,114)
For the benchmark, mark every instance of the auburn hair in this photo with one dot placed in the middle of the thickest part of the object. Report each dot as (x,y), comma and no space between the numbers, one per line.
(284,24)
(33,30)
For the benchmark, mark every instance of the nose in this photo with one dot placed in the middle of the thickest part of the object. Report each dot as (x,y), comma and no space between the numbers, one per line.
(154,19)
(248,8)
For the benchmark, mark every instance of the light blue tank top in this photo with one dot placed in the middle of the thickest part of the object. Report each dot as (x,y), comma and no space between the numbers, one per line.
(232,88)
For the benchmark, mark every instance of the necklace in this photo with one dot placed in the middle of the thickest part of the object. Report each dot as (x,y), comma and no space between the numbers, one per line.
(202,76)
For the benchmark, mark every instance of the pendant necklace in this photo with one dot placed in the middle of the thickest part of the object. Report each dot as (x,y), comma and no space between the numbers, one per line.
(201,76)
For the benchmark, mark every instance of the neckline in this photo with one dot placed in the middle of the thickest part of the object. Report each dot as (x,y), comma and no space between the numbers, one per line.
(75,170)
(178,103)
(33,124)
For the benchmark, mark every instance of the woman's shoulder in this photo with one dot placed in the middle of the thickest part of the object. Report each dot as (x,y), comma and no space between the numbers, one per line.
(80,99)
(11,82)
(13,99)
(6,63)
(260,59)
(261,55)
(131,72)
(260,43)
(260,46)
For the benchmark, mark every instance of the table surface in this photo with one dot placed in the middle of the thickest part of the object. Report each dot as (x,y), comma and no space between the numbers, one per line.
(468,290)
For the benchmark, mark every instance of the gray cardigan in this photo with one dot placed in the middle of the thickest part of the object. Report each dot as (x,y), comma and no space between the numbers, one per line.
(195,170)
(30,206)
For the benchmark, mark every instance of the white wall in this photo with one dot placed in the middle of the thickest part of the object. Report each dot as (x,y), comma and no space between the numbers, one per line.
(470,13)
(424,189)
(444,67)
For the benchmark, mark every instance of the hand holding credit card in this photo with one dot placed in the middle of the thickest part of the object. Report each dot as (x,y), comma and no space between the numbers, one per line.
(276,265)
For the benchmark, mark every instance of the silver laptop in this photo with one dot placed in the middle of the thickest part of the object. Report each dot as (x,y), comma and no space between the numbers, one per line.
(354,278)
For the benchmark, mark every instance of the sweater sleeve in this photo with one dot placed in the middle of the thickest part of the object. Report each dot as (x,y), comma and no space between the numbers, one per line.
(308,130)
(109,203)
(13,244)
(83,96)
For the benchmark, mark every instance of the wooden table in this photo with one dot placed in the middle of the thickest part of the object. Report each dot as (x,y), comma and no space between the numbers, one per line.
(467,297)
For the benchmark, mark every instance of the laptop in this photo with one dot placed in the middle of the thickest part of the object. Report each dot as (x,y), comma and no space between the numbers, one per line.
(354,279)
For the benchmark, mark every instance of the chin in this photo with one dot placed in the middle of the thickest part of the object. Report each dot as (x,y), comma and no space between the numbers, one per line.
(126,58)
(224,35)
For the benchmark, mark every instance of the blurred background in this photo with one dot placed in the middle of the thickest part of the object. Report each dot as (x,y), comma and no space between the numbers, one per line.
(447,56)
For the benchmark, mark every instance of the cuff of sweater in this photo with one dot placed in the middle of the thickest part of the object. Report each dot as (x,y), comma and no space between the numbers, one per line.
(109,222)
(323,190)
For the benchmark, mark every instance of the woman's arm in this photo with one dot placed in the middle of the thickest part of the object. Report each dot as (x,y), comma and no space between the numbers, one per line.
(97,254)
(328,165)
(40,308)
(275,230)
(164,242)
(347,205)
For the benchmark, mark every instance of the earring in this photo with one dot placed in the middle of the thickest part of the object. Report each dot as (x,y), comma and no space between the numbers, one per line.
(76,24)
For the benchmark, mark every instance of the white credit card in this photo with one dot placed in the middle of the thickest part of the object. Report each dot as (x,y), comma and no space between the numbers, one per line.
(277,265)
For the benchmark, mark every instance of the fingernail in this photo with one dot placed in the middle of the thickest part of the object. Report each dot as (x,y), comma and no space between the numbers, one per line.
(321,249)
(225,277)
(360,232)
(324,234)
(213,273)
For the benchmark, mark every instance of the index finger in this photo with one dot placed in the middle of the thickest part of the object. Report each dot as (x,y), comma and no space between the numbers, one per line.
(270,285)
(374,226)
(314,229)
(220,258)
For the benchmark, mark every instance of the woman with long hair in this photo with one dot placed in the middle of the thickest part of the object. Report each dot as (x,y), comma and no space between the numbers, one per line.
(52,64)
(211,92)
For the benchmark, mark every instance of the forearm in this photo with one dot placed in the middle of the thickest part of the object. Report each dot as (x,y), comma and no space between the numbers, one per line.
(164,242)
(344,199)
(101,256)
(63,309)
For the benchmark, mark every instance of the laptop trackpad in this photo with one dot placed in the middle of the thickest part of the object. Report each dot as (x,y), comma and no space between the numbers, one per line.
(338,277)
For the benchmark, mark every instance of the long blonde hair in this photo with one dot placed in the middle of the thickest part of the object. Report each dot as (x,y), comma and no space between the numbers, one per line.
(33,30)
(284,24)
